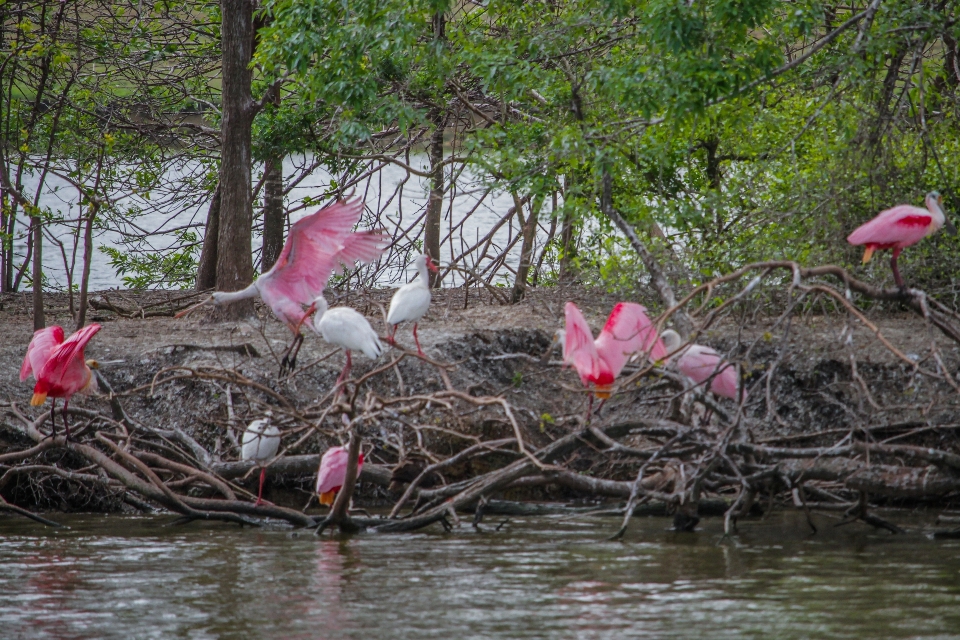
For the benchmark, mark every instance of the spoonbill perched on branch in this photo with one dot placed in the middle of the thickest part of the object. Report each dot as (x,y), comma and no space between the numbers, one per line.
(314,248)
(412,300)
(701,363)
(260,443)
(333,469)
(345,328)
(900,227)
(628,331)
(59,368)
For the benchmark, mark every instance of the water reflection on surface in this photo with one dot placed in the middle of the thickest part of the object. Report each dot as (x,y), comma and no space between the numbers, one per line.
(540,577)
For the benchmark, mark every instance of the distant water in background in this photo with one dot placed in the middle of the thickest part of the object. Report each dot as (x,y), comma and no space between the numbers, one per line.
(61,197)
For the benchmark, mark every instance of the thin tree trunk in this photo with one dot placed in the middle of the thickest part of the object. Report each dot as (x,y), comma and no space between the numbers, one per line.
(431,231)
(568,245)
(526,249)
(657,277)
(87,258)
(207,269)
(272,213)
(234,252)
(39,321)
(6,257)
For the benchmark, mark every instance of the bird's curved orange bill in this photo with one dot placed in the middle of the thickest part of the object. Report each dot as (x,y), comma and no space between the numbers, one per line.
(603,391)
(326,498)
(38,399)
(867,254)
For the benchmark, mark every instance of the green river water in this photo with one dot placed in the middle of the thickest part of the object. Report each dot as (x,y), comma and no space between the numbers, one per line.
(545,577)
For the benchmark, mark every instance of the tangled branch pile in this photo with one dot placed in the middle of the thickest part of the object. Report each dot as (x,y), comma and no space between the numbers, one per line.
(871,423)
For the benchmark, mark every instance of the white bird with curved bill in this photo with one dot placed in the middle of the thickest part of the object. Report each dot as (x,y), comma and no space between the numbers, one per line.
(260,443)
(346,328)
(412,300)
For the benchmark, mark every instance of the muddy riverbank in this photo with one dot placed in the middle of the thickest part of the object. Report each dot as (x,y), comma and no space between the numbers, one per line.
(169,375)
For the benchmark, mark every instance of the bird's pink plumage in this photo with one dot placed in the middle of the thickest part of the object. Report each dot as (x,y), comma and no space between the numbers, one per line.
(628,330)
(900,226)
(698,363)
(65,372)
(578,348)
(38,352)
(333,469)
(315,247)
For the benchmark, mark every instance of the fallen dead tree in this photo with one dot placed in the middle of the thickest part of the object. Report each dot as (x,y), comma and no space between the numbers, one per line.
(846,438)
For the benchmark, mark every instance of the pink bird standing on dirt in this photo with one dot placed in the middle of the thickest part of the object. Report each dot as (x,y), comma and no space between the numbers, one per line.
(59,368)
(628,331)
(333,470)
(315,246)
(900,227)
(700,363)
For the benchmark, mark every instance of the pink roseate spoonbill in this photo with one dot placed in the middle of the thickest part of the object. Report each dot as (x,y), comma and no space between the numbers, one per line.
(412,300)
(628,330)
(260,443)
(59,369)
(345,328)
(315,246)
(701,363)
(900,227)
(333,469)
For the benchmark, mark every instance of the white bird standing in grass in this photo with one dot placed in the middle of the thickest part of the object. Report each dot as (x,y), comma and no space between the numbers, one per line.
(345,328)
(260,443)
(412,300)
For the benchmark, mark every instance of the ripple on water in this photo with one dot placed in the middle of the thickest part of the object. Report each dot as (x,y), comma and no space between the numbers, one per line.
(537,578)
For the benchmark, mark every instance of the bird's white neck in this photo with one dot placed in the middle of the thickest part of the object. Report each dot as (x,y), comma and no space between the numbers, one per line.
(934,207)
(423,274)
(226,297)
(321,305)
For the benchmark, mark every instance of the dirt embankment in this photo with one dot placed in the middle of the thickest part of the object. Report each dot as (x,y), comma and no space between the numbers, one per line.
(827,382)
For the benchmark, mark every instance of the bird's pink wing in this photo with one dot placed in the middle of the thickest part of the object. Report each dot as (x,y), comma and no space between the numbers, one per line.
(578,347)
(44,341)
(363,247)
(699,363)
(333,468)
(903,225)
(334,221)
(65,369)
(313,252)
(628,331)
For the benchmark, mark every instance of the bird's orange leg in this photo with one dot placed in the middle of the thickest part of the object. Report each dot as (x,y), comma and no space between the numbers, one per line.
(896,271)
(417,340)
(263,474)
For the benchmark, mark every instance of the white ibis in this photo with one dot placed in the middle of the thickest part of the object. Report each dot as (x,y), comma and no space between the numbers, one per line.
(412,300)
(345,328)
(260,443)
